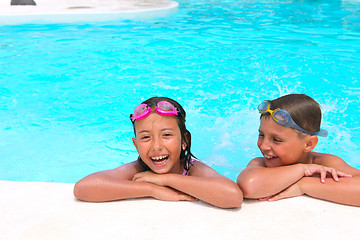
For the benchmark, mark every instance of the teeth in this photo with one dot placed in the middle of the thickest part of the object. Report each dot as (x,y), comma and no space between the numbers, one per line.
(268,156)
(157,158)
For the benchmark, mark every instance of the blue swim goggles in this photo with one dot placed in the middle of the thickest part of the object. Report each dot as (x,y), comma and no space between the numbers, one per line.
(284,118)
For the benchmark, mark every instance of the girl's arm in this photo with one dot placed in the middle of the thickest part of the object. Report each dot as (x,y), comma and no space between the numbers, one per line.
(116,184)
(203,183)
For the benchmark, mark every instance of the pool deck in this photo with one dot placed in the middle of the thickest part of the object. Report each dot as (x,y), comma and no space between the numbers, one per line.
(34,210)
(59,11)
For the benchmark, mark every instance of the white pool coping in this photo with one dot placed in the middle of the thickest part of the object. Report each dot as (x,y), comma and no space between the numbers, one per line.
(34,210)
(59,11)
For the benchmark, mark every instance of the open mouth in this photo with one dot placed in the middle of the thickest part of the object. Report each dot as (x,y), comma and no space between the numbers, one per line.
(269,158)
(160,160)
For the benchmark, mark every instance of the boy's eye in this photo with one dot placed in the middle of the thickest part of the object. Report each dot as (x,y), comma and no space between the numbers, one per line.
(277,140)
(145,137)
(261,134)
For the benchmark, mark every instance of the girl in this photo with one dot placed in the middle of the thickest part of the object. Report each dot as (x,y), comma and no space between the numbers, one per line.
(165,169)
(288,132)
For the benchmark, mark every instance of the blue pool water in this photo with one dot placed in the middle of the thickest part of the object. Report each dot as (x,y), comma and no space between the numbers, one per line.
(66,90)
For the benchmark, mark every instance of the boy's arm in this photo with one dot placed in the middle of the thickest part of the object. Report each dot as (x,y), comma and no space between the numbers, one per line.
(258,181)
(204,183)
(346,191)
(116,184)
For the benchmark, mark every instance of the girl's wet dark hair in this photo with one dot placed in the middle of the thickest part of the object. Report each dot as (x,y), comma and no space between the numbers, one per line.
(185,155)
(304,110)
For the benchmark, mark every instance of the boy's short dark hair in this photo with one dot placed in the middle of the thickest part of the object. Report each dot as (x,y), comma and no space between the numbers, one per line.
(304,110)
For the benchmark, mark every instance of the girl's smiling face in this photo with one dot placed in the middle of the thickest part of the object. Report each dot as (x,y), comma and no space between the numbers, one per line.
(158,142)
(281,145)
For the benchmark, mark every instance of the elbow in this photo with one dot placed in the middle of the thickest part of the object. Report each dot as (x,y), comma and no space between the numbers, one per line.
(82,190)
(249,187)
(78,190)
(234,198)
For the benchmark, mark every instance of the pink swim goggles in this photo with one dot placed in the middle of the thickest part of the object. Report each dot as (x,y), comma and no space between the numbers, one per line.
(163,108)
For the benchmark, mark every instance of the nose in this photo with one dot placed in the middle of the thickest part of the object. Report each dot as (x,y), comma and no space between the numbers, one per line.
(263,144)
(156,145)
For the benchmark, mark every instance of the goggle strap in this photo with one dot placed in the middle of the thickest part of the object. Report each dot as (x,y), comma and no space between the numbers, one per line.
(290,123)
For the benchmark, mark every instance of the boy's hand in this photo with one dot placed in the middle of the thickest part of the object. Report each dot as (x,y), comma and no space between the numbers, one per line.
(292,191)
(315,169)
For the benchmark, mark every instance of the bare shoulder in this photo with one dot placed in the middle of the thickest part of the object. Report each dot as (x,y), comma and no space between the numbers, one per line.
(126,171)
(333,161)
(257,162)
(200,169)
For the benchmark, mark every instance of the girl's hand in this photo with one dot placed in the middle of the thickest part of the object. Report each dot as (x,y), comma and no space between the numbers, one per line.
(292,191)
(314,169)
(170,194)
(162,192)
(149,177)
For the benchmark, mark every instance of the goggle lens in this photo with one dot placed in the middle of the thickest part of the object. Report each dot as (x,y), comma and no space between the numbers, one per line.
(263,107)
(163,108)
(281,116)
(166,106)
(140,109)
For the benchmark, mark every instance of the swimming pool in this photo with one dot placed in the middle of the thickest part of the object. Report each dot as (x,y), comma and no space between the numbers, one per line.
(67,89)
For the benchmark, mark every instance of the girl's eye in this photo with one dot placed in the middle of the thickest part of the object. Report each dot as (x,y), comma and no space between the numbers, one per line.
(277,140)
(167,134)
(261,135)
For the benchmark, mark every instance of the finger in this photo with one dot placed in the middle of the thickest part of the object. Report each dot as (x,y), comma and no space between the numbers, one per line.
(264,199)
(276,197)
(322,175)
(184,197)
(192,199)
(341,174)
(334,175)
(138,178)
(140,174)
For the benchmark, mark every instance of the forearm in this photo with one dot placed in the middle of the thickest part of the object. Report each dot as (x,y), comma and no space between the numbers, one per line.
(258,182)
(346,191)
(98,188)
(218,191)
